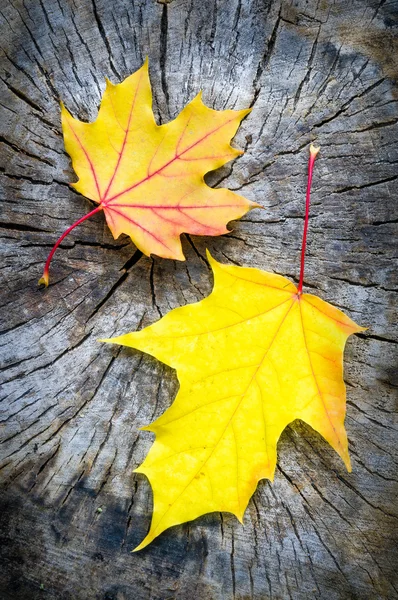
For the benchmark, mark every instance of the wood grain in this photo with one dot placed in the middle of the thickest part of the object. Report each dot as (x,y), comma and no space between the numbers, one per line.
(72,510)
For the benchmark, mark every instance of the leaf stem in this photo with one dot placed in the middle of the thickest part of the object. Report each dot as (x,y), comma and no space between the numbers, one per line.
(44,280)
(313,154)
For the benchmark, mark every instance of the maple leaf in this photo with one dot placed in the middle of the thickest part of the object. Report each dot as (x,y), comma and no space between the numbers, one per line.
(148,178)
(252,357)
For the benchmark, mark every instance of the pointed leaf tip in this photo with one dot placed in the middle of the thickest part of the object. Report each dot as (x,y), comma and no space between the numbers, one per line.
(212,261)
(141,546)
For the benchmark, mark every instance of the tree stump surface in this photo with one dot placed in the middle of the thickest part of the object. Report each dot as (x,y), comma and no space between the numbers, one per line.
(72,508)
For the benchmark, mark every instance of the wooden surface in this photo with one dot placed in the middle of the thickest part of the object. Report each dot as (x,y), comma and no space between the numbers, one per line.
(72,509)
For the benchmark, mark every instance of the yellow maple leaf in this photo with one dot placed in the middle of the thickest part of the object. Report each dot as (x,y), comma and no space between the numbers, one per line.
(148,178)
(251,358)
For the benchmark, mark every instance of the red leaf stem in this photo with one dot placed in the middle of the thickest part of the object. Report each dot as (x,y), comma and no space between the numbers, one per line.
(313,154)
(46,275)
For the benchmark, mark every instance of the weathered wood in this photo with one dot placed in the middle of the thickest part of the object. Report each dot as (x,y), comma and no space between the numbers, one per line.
(72,408)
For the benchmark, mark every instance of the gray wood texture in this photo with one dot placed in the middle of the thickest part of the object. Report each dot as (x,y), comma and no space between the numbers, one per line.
(71,507)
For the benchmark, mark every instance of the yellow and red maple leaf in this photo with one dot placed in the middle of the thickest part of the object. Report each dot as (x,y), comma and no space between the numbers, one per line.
(148,179)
